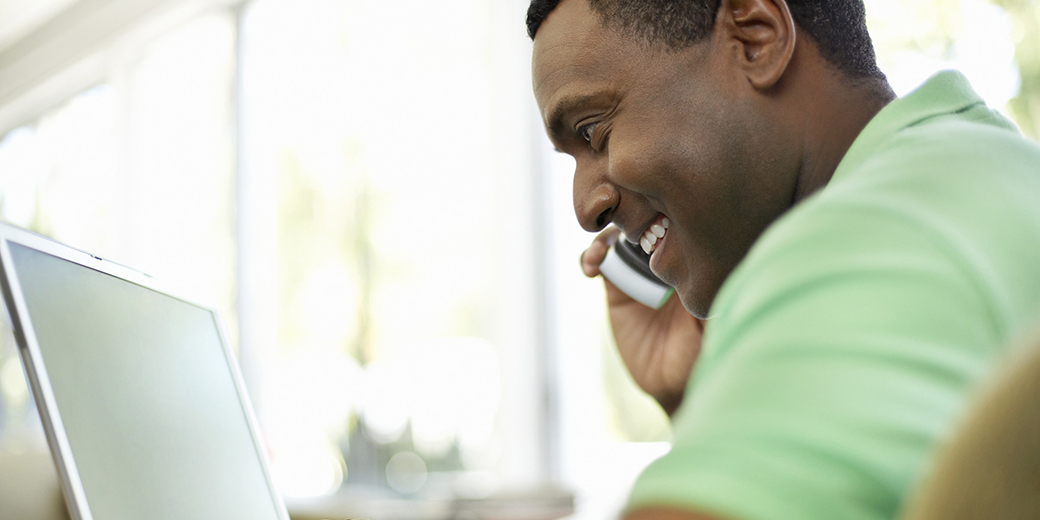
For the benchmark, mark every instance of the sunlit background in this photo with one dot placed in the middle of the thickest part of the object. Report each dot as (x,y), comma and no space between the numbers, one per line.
(364,191)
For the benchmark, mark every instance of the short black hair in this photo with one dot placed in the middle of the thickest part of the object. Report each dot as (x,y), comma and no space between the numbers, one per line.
(838,27)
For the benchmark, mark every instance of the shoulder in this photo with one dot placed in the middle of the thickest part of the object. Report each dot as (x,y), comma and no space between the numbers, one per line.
(977,143)
(949,200)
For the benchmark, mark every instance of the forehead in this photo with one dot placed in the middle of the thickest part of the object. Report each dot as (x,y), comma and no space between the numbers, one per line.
(574,53)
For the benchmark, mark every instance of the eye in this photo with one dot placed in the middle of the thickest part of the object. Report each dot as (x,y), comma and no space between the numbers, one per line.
(586,131)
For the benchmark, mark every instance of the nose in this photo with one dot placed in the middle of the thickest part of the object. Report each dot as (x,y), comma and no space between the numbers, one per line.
(595,199)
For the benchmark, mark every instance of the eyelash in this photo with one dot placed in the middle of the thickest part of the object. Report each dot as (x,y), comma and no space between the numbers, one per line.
(585,131)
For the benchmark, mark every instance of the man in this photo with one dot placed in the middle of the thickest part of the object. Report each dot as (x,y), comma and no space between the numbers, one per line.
(863,260)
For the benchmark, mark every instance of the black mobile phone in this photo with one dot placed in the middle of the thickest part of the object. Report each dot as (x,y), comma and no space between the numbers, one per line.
(628,267)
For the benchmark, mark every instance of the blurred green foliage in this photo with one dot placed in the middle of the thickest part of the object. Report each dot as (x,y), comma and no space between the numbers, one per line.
(1025,108)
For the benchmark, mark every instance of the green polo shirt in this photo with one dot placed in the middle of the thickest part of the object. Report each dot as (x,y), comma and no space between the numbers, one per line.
(846,343)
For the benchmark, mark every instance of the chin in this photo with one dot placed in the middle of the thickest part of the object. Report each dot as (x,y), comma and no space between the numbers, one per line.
(697,306)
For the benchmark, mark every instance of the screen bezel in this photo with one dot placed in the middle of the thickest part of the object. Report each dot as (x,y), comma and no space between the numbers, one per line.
(36,371)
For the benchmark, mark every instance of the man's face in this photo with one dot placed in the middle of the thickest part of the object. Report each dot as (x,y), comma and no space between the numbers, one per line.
(659,133)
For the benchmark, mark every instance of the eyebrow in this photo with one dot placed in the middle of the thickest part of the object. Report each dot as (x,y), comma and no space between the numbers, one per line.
(567,105)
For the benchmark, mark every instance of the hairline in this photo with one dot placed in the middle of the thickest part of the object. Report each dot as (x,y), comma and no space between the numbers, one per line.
(630,29)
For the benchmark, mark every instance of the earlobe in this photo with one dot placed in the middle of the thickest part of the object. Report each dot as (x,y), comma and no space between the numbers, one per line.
(764,34)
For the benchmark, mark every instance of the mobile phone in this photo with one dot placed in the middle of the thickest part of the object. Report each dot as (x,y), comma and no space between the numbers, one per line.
(628,267)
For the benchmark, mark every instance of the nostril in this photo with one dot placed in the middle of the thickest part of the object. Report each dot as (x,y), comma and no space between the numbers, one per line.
(595,207)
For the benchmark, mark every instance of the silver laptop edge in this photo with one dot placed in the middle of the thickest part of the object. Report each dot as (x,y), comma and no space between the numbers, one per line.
(29,350)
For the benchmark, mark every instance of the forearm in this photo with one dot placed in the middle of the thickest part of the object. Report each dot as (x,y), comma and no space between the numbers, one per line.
(666,513)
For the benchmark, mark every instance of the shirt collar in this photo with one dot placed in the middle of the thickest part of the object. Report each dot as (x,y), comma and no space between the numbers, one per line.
(946,92)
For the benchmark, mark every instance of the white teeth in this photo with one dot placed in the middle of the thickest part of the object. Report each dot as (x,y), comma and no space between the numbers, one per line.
(650,237)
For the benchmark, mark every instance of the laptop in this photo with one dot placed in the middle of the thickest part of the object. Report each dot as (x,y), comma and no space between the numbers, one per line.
(139,392)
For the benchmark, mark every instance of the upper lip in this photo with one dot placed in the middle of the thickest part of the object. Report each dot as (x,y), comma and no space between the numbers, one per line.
(634,237)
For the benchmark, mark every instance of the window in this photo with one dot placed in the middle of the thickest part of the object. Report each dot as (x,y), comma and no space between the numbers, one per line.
(376,214)
(138,168)
(269,160)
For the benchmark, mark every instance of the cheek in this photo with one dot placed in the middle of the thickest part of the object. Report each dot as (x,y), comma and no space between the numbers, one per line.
(628,158)
(693,180)
(656,166)
(712,178)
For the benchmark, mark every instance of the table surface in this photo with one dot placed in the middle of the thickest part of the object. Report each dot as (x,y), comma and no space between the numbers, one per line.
(29,490)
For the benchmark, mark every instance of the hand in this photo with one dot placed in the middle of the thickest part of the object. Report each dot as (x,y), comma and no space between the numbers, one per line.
(659,346)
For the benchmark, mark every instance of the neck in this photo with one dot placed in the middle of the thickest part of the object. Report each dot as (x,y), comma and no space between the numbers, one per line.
(836,110)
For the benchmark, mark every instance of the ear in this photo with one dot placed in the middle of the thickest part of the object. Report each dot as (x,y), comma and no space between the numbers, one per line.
(762,34)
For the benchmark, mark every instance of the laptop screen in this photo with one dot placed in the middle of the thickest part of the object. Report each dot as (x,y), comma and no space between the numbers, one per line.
(149,403)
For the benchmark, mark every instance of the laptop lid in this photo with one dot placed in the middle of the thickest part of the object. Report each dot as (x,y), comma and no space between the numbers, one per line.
(140,395)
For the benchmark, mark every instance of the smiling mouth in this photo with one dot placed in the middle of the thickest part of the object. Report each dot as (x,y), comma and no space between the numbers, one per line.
(653,234)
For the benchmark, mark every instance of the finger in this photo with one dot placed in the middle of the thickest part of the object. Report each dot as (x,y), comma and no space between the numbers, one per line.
(597,251)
